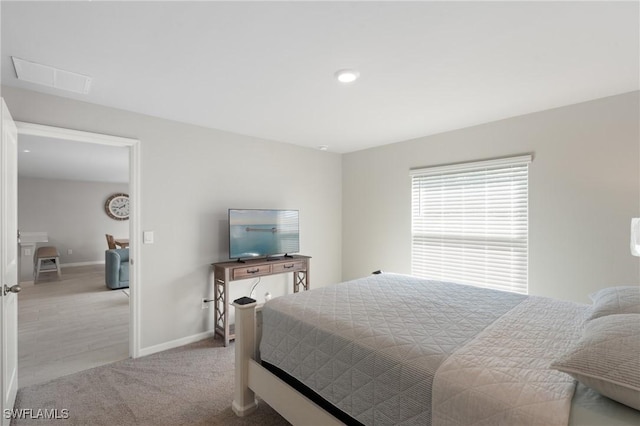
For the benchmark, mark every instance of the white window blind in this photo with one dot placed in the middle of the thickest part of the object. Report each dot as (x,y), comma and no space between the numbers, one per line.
(470,223)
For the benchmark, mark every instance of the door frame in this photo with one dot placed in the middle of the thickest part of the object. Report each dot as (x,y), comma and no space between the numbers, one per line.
(134,212)
(8,277)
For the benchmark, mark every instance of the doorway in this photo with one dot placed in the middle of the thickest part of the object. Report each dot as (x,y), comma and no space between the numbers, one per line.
(60,136)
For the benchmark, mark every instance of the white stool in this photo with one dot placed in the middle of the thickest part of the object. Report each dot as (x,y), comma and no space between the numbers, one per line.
(46,259)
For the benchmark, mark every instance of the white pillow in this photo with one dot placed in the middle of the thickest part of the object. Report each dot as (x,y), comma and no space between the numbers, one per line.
(607,358)
(615,300)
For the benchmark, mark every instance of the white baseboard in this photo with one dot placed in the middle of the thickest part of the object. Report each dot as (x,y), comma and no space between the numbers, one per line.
(68,265)
(175,343)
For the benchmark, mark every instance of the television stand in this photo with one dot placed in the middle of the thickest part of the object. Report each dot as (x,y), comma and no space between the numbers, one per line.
(226,272)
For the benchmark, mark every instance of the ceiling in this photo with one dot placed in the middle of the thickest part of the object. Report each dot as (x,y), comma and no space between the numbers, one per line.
(266,69)
(50,158)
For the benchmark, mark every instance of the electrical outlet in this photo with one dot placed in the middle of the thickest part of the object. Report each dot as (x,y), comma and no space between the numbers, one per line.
(69,251)
(205,304)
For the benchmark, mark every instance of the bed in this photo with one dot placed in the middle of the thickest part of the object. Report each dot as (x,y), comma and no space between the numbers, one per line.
(395,349)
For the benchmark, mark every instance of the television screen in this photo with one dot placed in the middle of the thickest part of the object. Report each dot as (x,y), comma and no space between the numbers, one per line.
(255,233)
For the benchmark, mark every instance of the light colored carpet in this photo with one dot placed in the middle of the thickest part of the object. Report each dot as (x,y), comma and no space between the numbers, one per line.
(190,385)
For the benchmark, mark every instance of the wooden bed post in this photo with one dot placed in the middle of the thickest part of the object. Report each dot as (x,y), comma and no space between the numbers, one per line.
(244,399)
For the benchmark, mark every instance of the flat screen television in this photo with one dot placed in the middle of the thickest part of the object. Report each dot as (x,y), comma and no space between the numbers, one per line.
(263,233)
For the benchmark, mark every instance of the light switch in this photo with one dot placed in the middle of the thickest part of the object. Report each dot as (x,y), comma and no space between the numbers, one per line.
(147,237)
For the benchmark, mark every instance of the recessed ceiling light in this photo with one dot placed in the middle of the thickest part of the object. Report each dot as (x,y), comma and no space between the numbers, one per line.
(26,150)
(323,147)
(347,75)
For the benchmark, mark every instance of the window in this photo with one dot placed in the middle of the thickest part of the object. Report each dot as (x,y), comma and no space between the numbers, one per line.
(469,223)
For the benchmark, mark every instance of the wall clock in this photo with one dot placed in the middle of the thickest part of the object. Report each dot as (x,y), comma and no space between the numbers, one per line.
(117,206)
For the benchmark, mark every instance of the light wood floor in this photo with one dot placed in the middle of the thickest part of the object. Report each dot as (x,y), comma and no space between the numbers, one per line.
(70,325)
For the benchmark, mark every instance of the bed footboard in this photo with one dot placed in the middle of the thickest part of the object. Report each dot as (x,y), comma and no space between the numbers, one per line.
(244,399)
(252,378)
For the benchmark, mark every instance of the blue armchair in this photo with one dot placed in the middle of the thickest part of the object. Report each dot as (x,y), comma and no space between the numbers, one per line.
(116,264)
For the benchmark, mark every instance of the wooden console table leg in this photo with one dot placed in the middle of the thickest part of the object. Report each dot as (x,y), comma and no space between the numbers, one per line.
(226,307)
(219,306)
(300,278)
(221,280)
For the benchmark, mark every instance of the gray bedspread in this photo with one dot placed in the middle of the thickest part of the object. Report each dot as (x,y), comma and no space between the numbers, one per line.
(502,377)
(372,346)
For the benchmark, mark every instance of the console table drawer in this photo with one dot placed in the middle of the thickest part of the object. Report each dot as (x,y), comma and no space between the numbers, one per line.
(251,271)
(288,267)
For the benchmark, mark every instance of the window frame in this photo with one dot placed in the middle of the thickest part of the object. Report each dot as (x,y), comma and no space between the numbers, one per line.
(463,233)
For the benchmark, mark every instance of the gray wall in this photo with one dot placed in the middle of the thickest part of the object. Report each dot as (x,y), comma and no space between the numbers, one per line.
(584,188)
(72,212)
(355,209)
(190,176)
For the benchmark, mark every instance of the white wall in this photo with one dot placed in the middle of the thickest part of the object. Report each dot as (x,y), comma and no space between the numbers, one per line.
(72,212)
(584,190)
(190,176)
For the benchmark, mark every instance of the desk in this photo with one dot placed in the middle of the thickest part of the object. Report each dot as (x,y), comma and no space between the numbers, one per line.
(225,272)
(122,242)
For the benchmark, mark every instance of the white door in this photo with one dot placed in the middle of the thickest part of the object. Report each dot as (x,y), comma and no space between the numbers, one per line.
(8,263)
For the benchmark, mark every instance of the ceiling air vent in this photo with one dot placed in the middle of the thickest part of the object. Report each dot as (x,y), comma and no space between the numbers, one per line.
(51,77)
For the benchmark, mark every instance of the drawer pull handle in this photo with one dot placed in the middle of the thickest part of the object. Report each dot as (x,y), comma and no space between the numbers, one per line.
(288,266)
(253,271)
